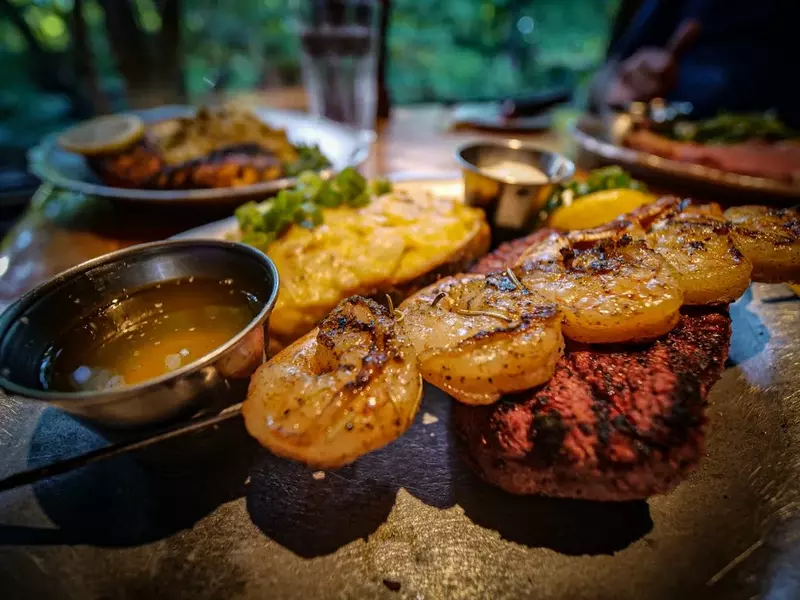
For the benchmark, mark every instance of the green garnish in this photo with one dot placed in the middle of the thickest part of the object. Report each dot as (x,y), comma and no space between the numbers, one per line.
(309,158)
(606,178)
(262,223)
(379,187)
(728,128)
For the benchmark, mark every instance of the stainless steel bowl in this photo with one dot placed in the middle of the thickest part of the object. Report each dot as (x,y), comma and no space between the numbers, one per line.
(43,315)
(511,205)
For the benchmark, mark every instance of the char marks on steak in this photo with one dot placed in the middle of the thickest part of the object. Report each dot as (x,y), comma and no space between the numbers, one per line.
(614,422)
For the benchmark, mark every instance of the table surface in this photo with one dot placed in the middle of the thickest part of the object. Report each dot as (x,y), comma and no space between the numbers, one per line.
(216,516)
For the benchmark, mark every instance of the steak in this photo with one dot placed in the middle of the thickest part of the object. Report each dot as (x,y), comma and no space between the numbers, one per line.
(613,423)
(778,160)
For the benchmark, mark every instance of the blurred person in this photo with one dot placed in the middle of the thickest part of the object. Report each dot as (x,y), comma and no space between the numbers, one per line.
(720,55)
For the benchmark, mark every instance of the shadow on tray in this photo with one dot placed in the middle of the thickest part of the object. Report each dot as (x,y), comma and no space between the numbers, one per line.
(136,499)
(315,514)
(132,499)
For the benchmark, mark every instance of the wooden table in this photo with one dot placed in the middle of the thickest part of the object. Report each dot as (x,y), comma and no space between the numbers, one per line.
(62,229)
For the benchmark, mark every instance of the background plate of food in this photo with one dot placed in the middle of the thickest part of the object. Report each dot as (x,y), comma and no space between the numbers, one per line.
(749,154)
(179,154)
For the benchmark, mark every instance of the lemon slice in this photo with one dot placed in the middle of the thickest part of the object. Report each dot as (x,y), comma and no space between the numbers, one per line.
(103,135)
(597,208)
(794,287)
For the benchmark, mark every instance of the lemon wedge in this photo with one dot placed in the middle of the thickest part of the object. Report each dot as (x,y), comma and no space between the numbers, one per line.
(103,135)
(597,208)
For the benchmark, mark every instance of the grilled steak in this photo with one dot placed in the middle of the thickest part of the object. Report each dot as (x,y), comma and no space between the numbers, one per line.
(214,148)
(614,423)
(780,160)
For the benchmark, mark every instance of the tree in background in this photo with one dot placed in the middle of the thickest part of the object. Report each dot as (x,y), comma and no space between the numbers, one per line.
(71,59)
(62,39)
(63,60)
(482,49)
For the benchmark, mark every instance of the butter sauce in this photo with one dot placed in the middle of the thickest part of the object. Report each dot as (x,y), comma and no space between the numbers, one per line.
(517,172)
(146,334)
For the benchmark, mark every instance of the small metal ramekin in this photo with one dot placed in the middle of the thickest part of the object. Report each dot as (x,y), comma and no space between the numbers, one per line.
(33,322)
(511,205)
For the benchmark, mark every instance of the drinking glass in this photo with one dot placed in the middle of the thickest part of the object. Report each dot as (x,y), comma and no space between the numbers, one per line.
(339,42)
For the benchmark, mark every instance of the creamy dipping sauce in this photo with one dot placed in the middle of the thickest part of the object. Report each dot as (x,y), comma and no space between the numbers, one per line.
(146,334)
(516,172)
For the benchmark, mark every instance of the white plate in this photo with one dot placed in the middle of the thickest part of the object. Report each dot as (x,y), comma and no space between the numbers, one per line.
(446,185)
(342,145)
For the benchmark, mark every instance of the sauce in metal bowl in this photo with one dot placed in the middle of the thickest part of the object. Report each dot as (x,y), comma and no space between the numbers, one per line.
(147,333)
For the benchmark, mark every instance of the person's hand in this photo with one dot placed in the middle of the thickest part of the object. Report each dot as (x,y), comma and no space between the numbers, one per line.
(650,72)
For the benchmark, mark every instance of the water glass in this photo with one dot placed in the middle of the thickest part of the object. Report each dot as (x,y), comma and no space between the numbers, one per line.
(339,41)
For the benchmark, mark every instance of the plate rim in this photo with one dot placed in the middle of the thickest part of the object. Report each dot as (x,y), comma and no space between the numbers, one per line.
(674,168)
(39,165)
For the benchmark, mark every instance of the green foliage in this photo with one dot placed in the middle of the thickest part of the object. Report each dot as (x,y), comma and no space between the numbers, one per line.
(439,50)
(728,128)
(461,49)
(310,158)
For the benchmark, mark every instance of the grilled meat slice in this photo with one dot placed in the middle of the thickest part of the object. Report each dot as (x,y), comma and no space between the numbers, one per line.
(224,147)
(142,166)
(779,160)
(614,423)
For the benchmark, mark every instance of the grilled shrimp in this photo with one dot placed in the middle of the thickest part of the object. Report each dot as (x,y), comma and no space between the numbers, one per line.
(770,239)
(610,288)
(478,337)
(698,246)
(346,388)
(669,206)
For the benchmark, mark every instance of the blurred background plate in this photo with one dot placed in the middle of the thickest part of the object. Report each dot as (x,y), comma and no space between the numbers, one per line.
(343,146)
(490,116)
(600,138)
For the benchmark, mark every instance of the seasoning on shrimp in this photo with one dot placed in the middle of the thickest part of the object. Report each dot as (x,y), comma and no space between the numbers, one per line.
(770,239)
(478,337)
(346,388)
(610,287)
(699,248)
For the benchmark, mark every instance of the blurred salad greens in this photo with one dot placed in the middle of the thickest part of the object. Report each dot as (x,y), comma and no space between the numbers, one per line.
(261,223)
(606,178)
(309,158)
(728,128)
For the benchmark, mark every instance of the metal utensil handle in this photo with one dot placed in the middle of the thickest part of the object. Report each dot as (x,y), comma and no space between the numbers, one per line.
(76,462)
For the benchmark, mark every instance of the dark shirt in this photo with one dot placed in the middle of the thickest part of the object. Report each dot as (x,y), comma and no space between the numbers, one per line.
(744,59)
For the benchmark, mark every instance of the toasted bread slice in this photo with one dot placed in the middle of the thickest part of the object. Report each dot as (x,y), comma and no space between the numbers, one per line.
(395,245)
